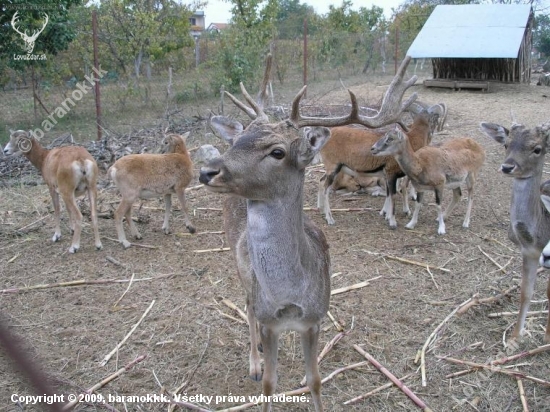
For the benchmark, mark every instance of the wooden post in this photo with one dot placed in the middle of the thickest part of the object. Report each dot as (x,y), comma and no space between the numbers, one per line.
(305,55)
(96,80)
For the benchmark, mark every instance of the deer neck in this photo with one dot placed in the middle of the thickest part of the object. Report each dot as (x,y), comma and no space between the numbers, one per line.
(277,245)
(526,206)
(37,154)
(407,159)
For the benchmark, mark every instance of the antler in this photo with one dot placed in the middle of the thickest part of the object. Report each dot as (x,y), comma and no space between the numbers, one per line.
(14,22)
(390,110)
(256,111)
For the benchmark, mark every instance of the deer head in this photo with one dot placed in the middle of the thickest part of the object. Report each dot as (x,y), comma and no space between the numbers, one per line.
(29,40)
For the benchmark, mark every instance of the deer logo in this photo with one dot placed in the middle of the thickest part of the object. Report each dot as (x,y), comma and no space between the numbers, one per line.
(29,40)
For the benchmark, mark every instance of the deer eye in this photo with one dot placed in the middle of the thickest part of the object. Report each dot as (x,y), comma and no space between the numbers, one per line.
(278,154)
(537,150)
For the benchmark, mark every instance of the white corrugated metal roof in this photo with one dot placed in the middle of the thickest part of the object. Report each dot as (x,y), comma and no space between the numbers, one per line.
(471,31)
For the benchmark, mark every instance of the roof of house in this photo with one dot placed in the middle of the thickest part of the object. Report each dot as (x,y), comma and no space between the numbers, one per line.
(472,31)
(217,26)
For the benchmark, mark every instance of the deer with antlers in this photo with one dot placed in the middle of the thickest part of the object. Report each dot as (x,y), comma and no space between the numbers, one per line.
(282,257)
(29,40)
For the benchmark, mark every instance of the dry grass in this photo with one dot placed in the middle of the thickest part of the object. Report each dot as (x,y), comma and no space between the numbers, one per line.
(188,341)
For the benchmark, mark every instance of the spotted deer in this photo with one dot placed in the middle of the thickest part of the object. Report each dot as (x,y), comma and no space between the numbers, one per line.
(282,257)
(529,220)
(69,171)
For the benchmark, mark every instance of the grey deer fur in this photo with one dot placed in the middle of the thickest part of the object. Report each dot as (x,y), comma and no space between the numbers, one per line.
(282,257)
(529,220)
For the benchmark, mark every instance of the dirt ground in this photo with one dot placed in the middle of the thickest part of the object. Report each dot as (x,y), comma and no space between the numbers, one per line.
(190,339)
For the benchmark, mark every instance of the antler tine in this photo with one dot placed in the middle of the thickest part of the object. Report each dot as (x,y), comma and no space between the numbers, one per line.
(256,110)
(242,106)
(390,111)
(391,108)
(301,121)
(262,94)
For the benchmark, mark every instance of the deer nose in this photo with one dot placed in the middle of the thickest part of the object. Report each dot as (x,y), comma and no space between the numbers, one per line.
(507,168)
(207,174)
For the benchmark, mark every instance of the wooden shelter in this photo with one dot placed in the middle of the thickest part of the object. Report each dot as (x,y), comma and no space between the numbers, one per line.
(474,43)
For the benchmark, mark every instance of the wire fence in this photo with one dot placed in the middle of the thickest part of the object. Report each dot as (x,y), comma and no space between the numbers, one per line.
(173,92)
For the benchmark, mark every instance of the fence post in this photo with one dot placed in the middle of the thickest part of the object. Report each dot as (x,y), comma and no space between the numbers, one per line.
(305,55)
(96,80)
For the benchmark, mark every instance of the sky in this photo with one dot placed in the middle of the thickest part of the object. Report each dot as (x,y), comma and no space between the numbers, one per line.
(217,11)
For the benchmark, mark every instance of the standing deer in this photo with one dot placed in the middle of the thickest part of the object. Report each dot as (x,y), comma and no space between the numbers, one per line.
(69,171)
(454,162)
(282,257)
(147,176)
(529,220)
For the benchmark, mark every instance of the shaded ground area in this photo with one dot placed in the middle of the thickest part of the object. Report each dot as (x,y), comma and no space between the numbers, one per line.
(194,341)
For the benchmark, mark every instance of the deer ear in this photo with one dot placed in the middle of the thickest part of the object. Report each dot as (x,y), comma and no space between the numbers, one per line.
(495,131)
(311,143)
(226,128)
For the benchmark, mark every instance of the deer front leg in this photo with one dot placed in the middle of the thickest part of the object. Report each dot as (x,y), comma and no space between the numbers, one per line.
(57,211)
(321,194)
(440,214)
(167,210)
(417,206)
(255,363)
(270,341)
(183,204)
(120,212)
(391,190)
(310,339)
(528,278)
(323,197)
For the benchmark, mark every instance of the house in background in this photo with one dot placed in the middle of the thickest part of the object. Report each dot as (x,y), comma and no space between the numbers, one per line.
(197,24)
(477,42)
(217,27)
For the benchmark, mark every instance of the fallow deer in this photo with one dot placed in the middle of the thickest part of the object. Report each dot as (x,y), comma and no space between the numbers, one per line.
(282,257)
(529,220)
(70,171)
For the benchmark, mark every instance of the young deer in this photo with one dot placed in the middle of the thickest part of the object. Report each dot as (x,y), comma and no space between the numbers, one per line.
(455,162)
(282,257)
(70,171)
(147,176)
(529,220)
(349,151)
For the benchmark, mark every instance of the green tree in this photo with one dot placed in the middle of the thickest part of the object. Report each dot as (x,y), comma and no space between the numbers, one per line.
(541,37)
(291,16)
(137,32)
(245,44)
